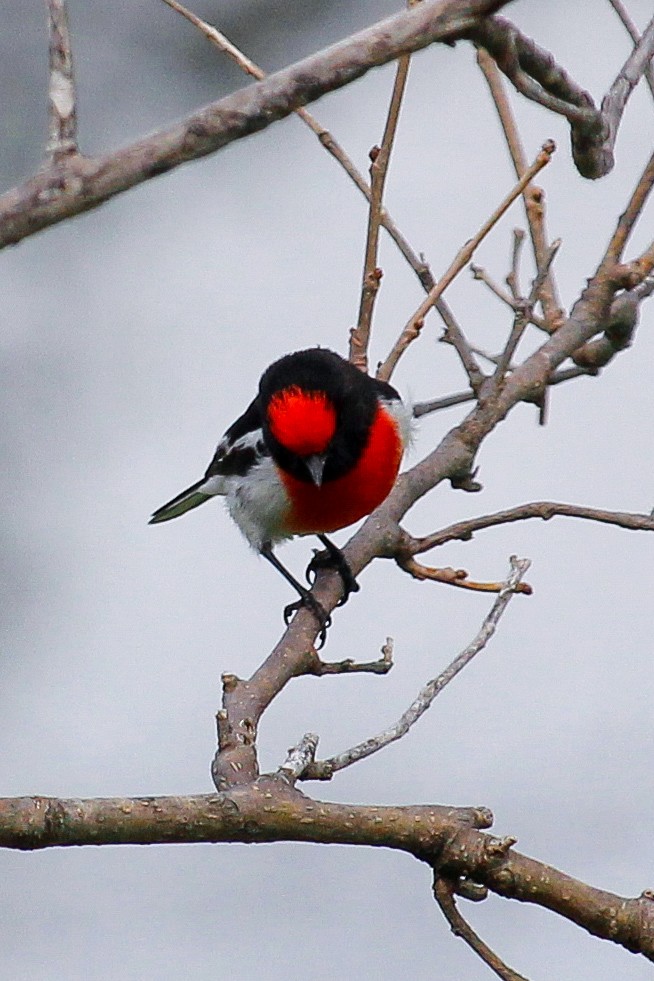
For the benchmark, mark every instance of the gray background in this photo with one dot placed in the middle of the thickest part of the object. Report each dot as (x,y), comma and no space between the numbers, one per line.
(131,338)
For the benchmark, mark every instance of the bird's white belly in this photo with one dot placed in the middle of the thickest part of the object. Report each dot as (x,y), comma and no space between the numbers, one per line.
(258,503)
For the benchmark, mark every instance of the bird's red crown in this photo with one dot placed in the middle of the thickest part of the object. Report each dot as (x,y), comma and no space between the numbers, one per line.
(302,421)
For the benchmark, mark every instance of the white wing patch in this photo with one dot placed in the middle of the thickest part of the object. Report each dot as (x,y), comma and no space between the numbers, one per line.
(402,413)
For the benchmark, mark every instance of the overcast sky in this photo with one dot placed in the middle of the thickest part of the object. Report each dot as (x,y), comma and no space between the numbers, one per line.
(132,338)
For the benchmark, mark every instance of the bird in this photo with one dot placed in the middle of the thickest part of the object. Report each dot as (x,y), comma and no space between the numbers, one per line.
(318,448)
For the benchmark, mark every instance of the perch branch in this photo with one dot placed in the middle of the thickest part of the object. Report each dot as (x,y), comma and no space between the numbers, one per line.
(324,769)
(245,701)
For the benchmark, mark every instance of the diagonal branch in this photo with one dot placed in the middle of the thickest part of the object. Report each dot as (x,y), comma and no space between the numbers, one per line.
(615,100)
(245,701)
(84,183)
(444,896)
(634,34)
(533,196)
(380,157)
(324,769)
(462,258)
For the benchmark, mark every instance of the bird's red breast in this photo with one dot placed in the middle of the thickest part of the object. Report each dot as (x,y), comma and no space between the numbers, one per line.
(342,501)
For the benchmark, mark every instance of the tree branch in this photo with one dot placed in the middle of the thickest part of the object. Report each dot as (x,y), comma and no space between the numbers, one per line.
(380,159)
(464,530)
(268,810)
(533,196)
(444,896)
(634,34)
(463,256)
(80,183)
(324,769)
(62,112)
(535,74)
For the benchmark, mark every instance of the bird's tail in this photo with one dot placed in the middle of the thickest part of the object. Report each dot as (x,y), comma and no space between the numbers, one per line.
(188,499)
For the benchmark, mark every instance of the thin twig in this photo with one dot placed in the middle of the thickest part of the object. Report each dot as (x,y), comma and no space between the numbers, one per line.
(323,769)
(462,258)
(615,100)
(631,213)
(62,113)
(515,302)
(459,398)
(349,666)
(481,274)
(513,279)
(533,196)
(522,317)
(380,157)
(464,530)
(634,34)
(444,896)
(446,402)
(328,141)
(454,577)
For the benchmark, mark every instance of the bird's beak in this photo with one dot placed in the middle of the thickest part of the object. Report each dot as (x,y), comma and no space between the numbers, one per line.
(315,464)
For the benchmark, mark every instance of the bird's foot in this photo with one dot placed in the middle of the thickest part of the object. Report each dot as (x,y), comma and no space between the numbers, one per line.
(321,615)
(332,558)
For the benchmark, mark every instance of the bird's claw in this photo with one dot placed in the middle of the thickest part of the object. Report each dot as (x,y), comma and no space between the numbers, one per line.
(321,615)
(325,559)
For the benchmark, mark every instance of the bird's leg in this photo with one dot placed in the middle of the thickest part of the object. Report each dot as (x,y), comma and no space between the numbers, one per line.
(333,558)
(306,599)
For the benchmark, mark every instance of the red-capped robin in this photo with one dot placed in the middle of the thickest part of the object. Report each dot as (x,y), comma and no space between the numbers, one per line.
(318,448)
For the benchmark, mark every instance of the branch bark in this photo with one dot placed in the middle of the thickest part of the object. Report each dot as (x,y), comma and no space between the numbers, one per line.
(79,183)
(447,839)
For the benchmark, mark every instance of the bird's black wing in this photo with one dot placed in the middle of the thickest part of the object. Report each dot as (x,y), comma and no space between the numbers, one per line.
(241,446)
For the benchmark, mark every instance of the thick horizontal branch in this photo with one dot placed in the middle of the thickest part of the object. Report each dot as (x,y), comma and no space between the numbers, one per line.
(446,838)
(79,183)
(266,810)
